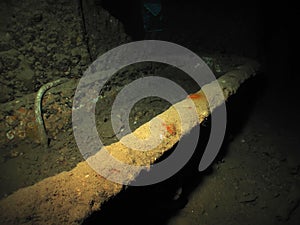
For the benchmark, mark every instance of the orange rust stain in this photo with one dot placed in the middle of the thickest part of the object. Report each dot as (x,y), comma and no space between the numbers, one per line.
(170,128)
(195,96)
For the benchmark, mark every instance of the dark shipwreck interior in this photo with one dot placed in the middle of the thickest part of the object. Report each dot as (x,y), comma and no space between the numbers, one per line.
(47,45)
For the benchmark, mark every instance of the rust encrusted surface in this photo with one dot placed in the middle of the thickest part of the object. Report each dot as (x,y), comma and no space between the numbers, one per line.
(70,197)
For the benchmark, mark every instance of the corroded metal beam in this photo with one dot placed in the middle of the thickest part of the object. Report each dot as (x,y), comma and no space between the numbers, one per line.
(70,197)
